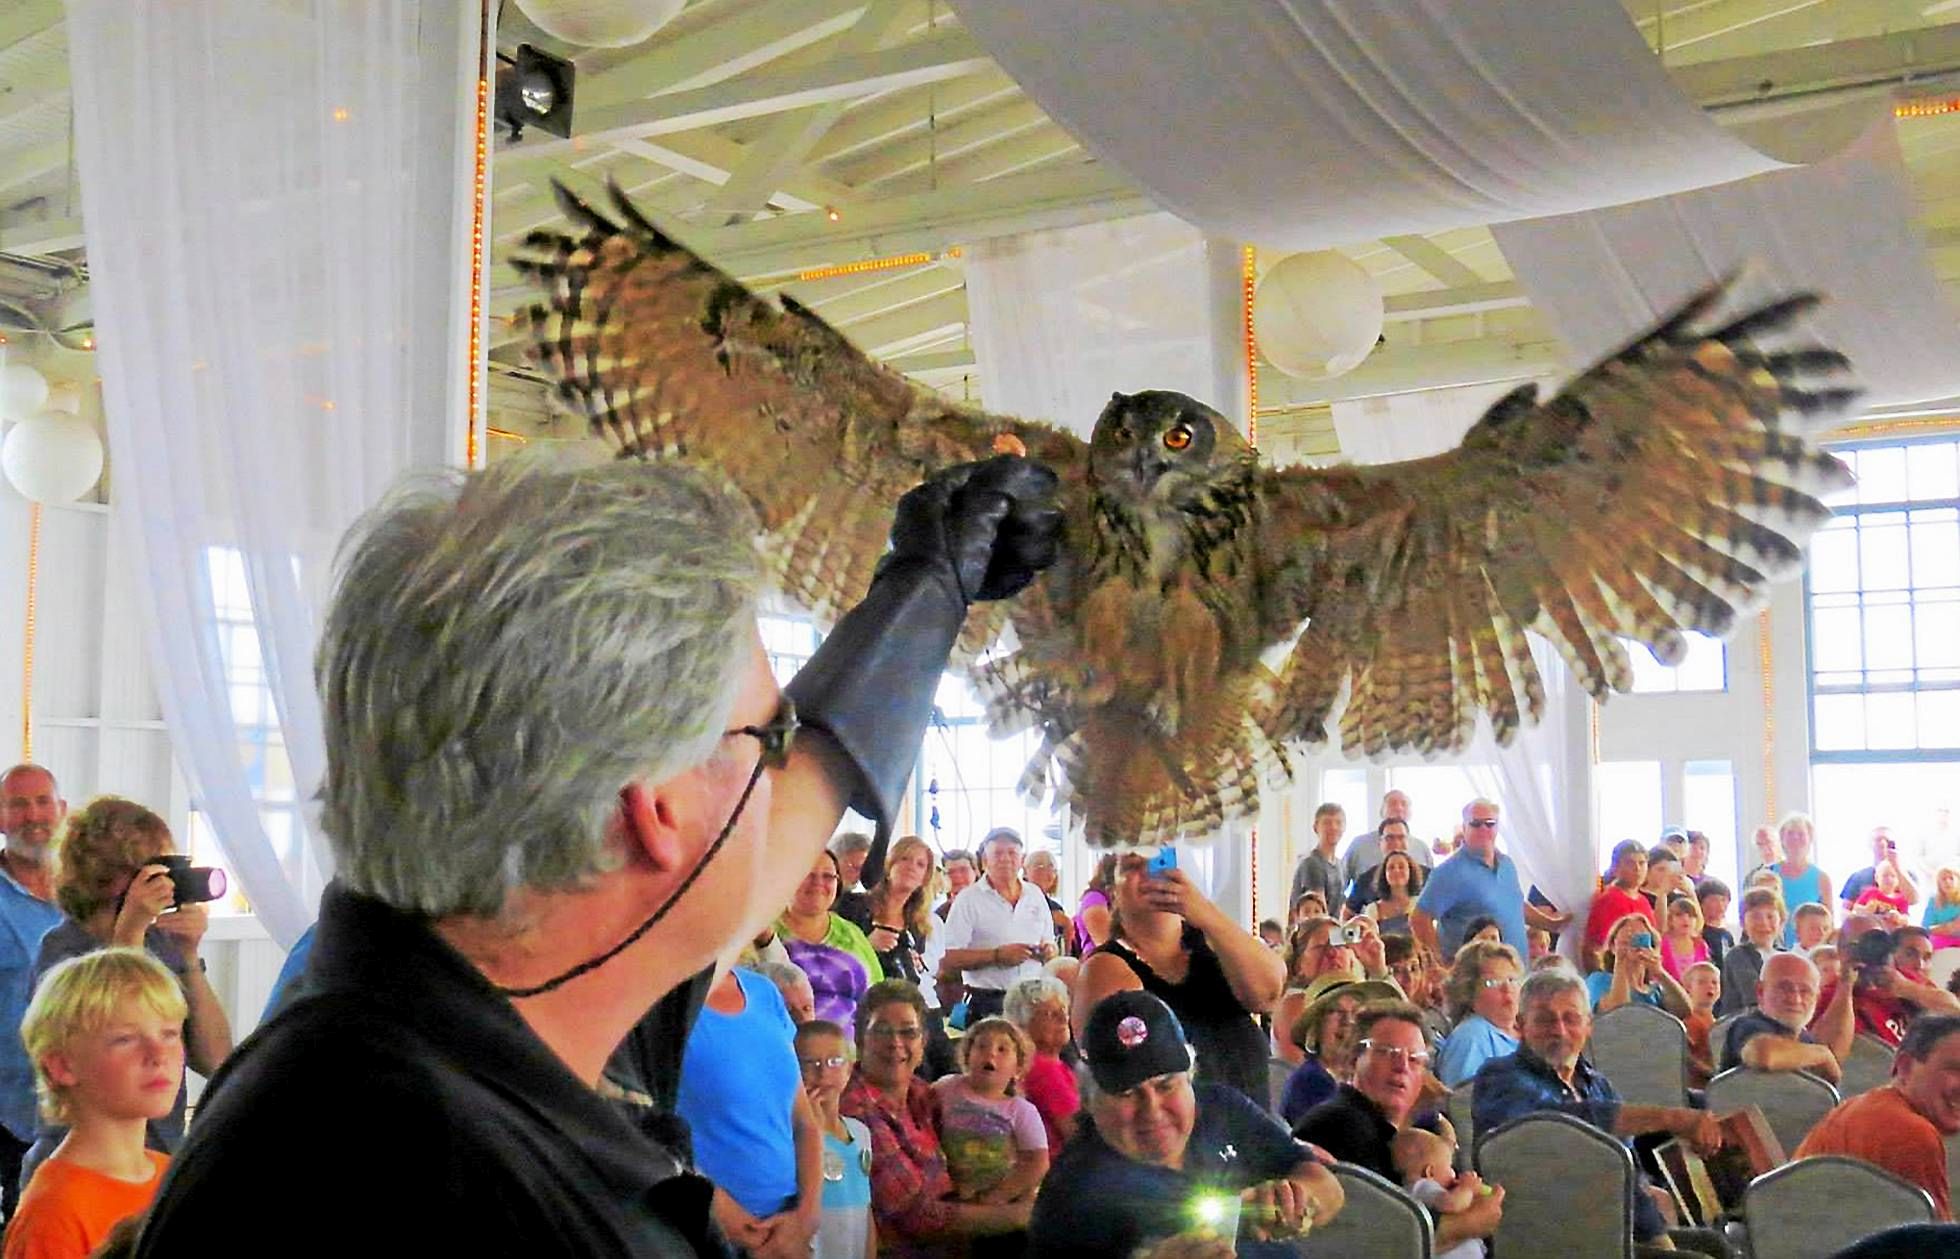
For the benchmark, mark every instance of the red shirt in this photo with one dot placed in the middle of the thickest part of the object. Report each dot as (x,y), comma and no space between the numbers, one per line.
(1611,904)
(1050,1085)
(1891,900)
(1882,1128)
(1873,1010)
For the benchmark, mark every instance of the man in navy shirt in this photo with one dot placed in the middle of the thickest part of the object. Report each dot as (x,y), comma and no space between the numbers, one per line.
(1548,1074)
(1160,1150)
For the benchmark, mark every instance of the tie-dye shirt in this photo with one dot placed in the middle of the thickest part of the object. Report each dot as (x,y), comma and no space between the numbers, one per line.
(982,1136)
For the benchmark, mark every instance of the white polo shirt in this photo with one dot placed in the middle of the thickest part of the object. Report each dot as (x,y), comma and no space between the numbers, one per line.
(982,919)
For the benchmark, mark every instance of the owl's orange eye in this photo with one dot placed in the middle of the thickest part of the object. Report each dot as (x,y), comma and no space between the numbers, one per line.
(1177,438)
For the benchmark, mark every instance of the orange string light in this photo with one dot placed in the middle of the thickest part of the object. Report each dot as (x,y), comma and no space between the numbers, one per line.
(481,180)
(1927,109)
(864,265)
(1248,282)
(27,637)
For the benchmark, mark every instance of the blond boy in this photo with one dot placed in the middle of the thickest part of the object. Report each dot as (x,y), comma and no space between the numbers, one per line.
(105,1032)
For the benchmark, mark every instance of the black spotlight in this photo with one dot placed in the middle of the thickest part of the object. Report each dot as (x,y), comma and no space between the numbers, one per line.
(534,89)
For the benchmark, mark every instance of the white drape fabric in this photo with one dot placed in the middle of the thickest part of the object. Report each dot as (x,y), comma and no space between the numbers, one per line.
(1301,125)
(1543,781)
(1060,319)
(276,200)
(1844,227)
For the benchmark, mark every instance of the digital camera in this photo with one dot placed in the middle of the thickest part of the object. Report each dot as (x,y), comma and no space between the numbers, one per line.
(194,885)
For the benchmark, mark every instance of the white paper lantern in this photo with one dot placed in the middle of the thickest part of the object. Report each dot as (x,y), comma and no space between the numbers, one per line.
(1317,314)
(65,396)
(601,23)
(23,391)
(52,458)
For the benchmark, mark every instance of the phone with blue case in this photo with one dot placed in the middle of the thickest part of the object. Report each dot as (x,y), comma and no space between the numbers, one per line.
(1164,861)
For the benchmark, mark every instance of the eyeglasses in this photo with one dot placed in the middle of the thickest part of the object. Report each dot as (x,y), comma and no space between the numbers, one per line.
(885,1031)
(775,738)
(1511,981)
(818,1064)
(1482,823)
(1397,1054)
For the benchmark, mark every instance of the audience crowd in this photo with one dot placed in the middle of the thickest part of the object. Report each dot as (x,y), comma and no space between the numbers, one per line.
(947,1054)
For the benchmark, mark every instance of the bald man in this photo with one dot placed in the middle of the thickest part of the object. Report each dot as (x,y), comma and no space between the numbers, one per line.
(1775,1036)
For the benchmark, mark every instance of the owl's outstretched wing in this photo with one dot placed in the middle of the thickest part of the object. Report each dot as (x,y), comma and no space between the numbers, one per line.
(1660,491)
(667,357)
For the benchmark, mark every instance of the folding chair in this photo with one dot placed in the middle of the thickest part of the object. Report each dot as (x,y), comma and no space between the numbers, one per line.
(1868,1067)
(1718,1034)
(1815,1207)
(1568,1189)
(1791,1101)
(1380,1221)
(1644,1052)
(1460,1117)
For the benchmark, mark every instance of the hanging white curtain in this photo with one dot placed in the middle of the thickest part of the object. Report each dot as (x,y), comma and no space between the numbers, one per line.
(1844,227)
(1061,319)
(277,202)
(1303,125)
(1543,781)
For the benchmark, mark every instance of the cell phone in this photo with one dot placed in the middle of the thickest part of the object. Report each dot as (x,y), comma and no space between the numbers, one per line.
(1644,940)
(1216,1212)
(1161,864)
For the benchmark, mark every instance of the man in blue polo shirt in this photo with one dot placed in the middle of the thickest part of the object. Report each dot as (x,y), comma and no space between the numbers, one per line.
(1476,880)
(30,808)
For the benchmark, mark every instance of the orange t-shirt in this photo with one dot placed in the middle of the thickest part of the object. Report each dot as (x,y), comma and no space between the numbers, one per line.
(1883,1129)
(67,1209)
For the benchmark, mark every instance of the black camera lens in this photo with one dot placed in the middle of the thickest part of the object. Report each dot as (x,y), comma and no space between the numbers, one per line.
(194,885)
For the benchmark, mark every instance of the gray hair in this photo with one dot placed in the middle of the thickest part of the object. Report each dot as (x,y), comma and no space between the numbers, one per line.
(849,842)
(1022,999)
(1484,801)
(787,976)
(506,649)
(1542,985)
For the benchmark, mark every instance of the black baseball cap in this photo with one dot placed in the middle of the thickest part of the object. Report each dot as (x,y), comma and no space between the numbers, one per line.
(1132,1037)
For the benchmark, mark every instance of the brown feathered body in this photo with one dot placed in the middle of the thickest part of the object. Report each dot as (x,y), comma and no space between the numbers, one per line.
(1661,491)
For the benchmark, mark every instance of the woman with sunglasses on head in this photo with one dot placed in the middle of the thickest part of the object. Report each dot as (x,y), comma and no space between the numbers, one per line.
(1634,972)
(1169,940)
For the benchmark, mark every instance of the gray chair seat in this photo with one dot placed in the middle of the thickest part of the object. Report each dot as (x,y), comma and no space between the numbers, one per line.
(1379,1221)
(1460,1117)
(1869,1066)
(1791,1101)
(1815,1207)
(1568,1189)
(1644,1051)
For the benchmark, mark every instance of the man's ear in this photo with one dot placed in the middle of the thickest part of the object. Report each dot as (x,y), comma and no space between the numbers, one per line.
(652,820)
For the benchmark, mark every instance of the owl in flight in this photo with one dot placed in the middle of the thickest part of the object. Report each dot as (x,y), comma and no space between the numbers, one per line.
(1658,492)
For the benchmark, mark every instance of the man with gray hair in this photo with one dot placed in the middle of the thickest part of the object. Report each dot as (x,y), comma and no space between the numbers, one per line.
(1549,1073)
(561,785)
(1475,881)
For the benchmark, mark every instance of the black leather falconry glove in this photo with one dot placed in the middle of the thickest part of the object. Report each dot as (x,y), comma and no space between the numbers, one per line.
(971,532)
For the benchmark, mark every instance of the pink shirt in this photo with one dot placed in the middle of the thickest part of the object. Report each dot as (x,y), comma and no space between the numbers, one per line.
(1050,1085)
(1675,964)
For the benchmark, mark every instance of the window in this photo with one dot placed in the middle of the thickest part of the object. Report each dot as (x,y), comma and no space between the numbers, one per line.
(261,743)
(1708,806)
(1883,596)
(1705,667)
(968,782)
(1349,789)
(1626,803)
(1437,794)
(1915,800)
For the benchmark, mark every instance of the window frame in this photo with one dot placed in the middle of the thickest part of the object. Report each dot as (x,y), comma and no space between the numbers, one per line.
(1868,755)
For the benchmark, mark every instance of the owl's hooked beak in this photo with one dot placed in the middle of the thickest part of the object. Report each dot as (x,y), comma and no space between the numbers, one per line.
(1148,467)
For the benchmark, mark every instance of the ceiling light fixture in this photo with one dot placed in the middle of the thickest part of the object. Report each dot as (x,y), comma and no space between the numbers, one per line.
(534,89)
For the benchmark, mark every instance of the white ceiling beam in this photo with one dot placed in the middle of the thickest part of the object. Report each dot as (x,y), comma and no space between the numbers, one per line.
(932,148)
(878,335)
(932,361)
(869,303)
(1434,259)
(929,222)
(789,140)
(1468,299)
(46,236)
(720,51)
(1905,58)
(22,168)
(756,95)
(24,19)
(1406,369)
(875,123)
